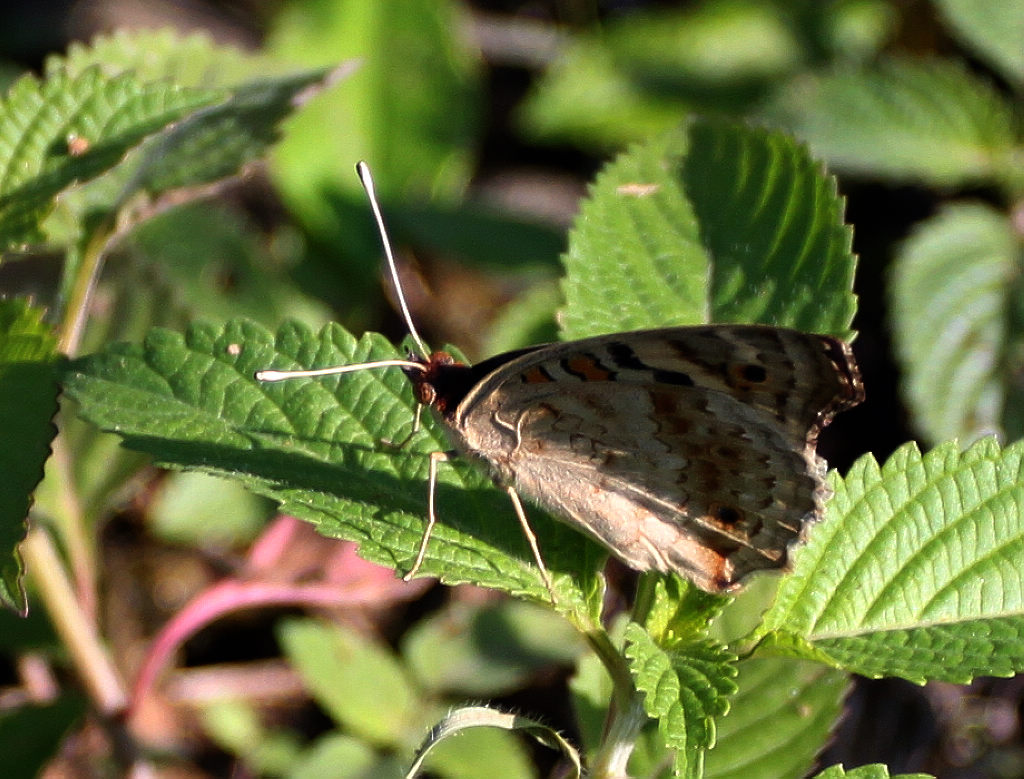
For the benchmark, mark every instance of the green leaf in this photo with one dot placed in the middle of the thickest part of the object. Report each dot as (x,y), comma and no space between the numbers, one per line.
(678,610)
(359,683)
(904,120)
(488,749)
(718,222)
(204,260)
(529,319)
(215,142)
(685,687)
(37,119)
(206,511)
(316,446)
(342,757)
(411,109)
(235,726)
(951,292)
(28,403)
(782,713)
(82,121)
(993,30)
(477,741)
(489,650)
(188,60)
(915,571)
(31,735)
(645,71)
(873,771)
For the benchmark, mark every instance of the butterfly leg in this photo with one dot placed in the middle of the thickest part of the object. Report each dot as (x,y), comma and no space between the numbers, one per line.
(531,539)
(435,458)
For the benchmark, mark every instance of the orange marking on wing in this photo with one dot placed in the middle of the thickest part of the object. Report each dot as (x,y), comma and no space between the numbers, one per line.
(588,368)
(536,375)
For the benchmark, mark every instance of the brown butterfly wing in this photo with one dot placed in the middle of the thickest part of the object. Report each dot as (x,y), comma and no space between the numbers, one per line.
(684,449)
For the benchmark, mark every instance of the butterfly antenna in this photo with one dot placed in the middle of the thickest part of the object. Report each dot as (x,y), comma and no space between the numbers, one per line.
(367,181)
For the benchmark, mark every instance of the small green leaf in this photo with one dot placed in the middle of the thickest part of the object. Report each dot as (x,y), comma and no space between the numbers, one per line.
(951,291)
(679,610)
(929,121)
(717,222)
(342,757)
(873,771)
(994,30)
(215,142)
(685,687)
(411,109)
(782,713)
(359,683)
(28,403)
(206,511)
(235,725)
(915,570)
(317,447)
(489,650)
(111,115)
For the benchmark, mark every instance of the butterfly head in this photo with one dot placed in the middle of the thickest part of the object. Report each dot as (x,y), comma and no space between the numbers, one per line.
(439,381)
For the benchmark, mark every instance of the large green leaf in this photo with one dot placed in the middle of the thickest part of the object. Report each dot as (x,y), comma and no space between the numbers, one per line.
(28,403)
(717,222)
(915,572)
(929,121)
(188,60)
(641,72)
(317,447)
(952,293)
(994,30)
(59,135)
(410,110)
(110,115)
(782,713)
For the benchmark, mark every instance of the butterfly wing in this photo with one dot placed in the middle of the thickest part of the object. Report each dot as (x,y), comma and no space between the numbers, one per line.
(683,449)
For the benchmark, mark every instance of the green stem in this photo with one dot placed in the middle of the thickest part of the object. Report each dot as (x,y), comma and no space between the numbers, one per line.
(86,277)
(620,739)
(78,634)
(646,589)
(615,664)
(626,714)
(70,523)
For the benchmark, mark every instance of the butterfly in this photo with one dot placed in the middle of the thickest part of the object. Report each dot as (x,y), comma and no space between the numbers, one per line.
(682,449)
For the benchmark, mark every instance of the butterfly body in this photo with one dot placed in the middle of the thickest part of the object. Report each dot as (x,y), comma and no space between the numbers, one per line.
(686,449)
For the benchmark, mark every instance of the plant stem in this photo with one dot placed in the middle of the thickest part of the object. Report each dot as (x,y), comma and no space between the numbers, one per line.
(626,714)
(71,520)
(78,634)
(611,658)
(86,276)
